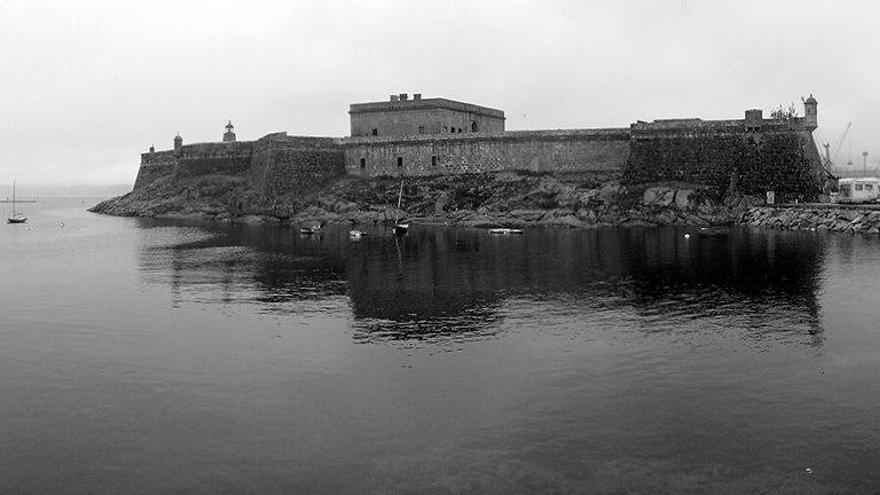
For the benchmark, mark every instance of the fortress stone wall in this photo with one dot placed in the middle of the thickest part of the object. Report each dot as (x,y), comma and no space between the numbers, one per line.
(289,164)
(538,151)
(276,163)
(752,153)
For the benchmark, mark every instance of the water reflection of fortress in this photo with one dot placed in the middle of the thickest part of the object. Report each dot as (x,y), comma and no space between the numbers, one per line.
(441,282)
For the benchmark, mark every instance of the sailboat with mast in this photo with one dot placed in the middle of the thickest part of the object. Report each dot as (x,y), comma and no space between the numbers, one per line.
(399,227)
(16,216)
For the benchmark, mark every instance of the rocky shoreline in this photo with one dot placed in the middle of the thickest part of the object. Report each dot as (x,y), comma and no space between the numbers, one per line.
(485,201)
(480,200)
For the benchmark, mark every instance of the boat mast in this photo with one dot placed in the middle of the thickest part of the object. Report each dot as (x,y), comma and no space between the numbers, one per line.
(13,197)
(399,198)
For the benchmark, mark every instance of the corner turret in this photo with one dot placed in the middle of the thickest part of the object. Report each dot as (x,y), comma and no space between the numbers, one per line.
(811,119)
(178,144)
(229,135)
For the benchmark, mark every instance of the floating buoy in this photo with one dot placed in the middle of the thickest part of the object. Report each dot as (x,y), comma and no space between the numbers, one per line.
(687,236)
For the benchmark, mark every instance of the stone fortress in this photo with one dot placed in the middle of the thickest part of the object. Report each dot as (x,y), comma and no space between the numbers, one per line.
(415,136)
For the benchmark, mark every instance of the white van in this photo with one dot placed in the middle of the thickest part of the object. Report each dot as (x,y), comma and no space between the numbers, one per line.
(859,190)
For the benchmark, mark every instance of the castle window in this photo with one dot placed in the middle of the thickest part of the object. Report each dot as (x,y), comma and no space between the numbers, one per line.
(858,187)
(399,161)
(375,132)
(474,126)
(363,163)
(421,129)
(434,161)
(452,130)
(459,130)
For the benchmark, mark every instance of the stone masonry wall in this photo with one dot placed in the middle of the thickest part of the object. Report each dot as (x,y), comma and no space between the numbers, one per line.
(289,165)
(720,154)
(433,120)
(563,151)
(782,159)
(147,174)
(194,167)
(276,163)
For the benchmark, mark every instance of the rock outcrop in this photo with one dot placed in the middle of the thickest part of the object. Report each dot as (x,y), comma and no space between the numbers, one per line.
(507,199)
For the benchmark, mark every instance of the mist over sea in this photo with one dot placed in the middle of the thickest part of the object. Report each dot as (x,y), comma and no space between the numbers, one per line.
(158,356)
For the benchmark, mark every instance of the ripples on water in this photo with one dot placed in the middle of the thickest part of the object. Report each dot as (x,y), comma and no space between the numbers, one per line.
(160,356)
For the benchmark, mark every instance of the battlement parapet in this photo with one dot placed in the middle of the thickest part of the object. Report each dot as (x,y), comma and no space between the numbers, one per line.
(425,104)
(158,158)
(282,139)
(699,127)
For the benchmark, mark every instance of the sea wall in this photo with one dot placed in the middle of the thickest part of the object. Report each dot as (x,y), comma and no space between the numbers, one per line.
(539,151)
(276,163)
(193,160)
(284,164)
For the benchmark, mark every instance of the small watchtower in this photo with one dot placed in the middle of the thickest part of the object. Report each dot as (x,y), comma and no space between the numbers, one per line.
(811,118)
(229,135)
(178,144)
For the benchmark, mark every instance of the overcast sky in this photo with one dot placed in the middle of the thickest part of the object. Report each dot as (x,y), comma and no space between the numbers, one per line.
(86,86)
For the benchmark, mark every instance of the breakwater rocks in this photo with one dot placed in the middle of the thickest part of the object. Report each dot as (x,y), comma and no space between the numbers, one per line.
(829,218)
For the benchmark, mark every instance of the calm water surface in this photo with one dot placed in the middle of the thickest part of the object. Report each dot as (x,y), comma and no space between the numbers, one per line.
(143,356)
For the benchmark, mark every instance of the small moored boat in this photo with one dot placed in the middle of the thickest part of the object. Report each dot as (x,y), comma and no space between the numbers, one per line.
(505,231)
(401,228)
(314,229)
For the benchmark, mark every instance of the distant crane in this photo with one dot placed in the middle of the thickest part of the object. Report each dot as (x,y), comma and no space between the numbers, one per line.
(839,144)
(832,154)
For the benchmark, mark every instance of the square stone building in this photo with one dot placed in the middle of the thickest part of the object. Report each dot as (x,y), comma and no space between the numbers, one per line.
(402,116)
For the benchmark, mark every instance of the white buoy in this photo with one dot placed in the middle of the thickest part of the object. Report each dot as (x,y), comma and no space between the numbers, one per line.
(687,236)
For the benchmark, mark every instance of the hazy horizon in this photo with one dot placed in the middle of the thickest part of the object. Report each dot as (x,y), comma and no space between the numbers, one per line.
(91,85)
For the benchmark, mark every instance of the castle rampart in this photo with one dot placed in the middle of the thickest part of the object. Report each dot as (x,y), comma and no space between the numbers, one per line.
(277,162)
(753,151)
(573,150)
(750,155)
